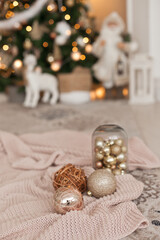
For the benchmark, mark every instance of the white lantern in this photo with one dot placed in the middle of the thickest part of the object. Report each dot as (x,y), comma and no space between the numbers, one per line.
(141,86)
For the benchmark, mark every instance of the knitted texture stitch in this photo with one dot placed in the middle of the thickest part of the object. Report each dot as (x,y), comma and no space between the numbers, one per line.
(26,191)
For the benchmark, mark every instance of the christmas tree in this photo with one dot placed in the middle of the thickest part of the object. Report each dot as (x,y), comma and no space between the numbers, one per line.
(60,35)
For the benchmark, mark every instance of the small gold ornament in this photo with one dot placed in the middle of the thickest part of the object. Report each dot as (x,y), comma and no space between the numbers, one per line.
(101,183)
(119,142)
(99,156)
(99,164)
(99,142)
(115,150)
(113,167)
(121,157)
(117,172)
(89,193)
(106,150)
(123,172)
(109,160)
(123,165)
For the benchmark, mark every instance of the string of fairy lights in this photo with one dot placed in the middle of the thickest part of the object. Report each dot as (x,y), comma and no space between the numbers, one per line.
(55,65)
(51,7)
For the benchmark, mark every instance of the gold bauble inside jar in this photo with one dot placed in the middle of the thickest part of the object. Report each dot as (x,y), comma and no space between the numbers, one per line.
(123,165)
(106,150)
(119,142)
(99,164)
(99,156)
(115,150)
(109,160)
(117,171)
(99,142)
(121,157)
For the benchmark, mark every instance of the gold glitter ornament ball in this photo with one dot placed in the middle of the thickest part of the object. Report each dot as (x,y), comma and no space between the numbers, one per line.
(101,183)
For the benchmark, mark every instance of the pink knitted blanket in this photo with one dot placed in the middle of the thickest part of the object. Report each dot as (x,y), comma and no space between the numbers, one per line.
(26,192)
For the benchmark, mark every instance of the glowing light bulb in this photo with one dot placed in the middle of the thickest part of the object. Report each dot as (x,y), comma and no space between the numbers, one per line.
(17,64)
(51,21)
(9,14)
(83,57)
(51,7)
(88,48)
(74,44)
(100,92)
(67,17)
(88,31)
(5,47)
(15,3)
(77,26)
(26,5)
(50,58)
(45,44)
(63,8)
(28,28)
(125,92)
(74,49)
(75,56)
(55,66)
(85,39)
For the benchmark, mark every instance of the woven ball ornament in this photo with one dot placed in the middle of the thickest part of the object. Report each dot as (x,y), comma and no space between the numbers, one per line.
(70,176)
(101,183)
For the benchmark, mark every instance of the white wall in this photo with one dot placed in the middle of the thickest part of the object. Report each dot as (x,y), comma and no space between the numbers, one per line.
(143,22)
(154,36)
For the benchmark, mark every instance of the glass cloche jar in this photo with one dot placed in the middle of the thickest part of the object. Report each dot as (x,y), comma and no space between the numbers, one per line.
(109,148)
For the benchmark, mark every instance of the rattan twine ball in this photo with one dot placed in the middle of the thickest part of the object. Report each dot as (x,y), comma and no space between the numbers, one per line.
(69,176)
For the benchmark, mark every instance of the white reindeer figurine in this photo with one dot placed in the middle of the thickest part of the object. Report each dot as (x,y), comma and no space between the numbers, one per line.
(36,82)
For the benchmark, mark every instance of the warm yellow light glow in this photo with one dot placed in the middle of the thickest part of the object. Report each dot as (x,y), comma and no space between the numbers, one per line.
(88,30)
(45,44)
(5,47)
(100,93)
(51,7)
(11,6)
(93,95)
(55,66)
(3,66)
(75,56)
(67,17)
(88,48)
(15,3)
(74,44)
(50,58)
(51,21)
(17,64)
(125,92)
(76,26)
(26,5)
(83,57)
(9,14)
(63,8)
(28,28)
(74,49)
(85,39)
